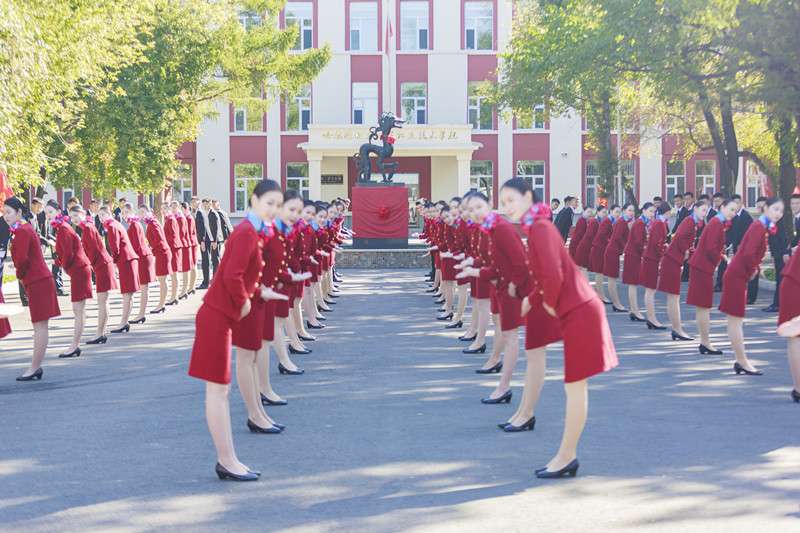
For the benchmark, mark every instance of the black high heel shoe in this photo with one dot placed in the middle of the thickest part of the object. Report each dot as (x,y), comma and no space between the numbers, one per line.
(183,296)
(329,303)
(635,318)
(454,325)
(505,398)
(124,329)
(293,350)
(650,325)
(173,302)
(274,430)
(306,339)
(445,317)
(102,339)
(618,309)
(323,318)
(74,353)
(312,326)
(225,475)
(432,289)
(795,396)
(283,370)
(137,321)
(739,369)
(607,302)
(439,301)
(158,311)
(678,337)
(703,349)
(468,339)
(494,370)
(482,349)
(527,426)
(36,376)
(570,470)
(267,401)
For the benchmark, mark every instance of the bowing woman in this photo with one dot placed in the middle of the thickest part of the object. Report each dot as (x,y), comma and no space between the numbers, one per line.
(37,280)
(224,305)
(669,280)
(789,314)
(194,244)
(741,269)
(584,248)
(127,264)
(616,245)
(102,265)
(157,242)
(632,259)
(185,244)
(146,263)
(703,263)
(599,244)
(71,257)
(656,235)
(172,233)
(579,232)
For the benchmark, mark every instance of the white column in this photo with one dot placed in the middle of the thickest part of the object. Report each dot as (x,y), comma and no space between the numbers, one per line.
(463,173)
(314,176)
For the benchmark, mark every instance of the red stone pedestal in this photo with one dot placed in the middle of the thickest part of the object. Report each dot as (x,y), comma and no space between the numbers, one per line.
(380,216)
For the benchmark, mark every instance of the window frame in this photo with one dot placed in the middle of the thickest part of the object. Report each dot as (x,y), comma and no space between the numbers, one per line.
(475,103)
(476,179)
(591,188)
(363,100)
(418,21)
(533,177)
(679,180)
(471,18)
(538,111)
(245,190)
(416,100)
(709,180)
(298,100)
(301,20)
(361,26)
(304,187)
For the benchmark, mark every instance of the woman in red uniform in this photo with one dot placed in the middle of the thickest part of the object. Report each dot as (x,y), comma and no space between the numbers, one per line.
(471,253)
(741,269)
(71,257)
(226,303)
(789,313)
(579,232)
(446,253)
(599,244)
(584,247)
(103,266)
(669,280)
(127,264)
(185,244)
(702,265)
(632,261)
(309,239)
(146,262)
(459,251)
(616,245)
(323,256)
(36,278)
(655,235)
(194,244)
(157,242)
(172,232)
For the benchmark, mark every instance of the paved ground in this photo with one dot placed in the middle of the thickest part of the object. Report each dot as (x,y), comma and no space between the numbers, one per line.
(386,434)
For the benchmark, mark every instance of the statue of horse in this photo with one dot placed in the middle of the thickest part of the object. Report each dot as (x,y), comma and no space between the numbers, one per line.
(383,151)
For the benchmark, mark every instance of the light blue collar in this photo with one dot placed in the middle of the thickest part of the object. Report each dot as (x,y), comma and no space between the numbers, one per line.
(314,224)
(281,225)
(721,217)
(257,223)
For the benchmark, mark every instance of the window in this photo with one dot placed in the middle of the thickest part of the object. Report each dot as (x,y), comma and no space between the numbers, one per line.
(297,178)
(66,194)
(182,184)
(675,180)
(481,177)
(298,110)
(300,14)
(364,26)
(754,176)
(249,19)
(480,112)
(244,121)
(478,26)
(413,101)
(705,177)
(533,172)
(592,179)
(536,120)
(365,103)
(414,25)
(627,169)
(246,176)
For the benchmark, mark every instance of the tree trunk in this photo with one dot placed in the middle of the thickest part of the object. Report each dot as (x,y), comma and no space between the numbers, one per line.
(727,175)
(786,181)
(607,158)
(729,138)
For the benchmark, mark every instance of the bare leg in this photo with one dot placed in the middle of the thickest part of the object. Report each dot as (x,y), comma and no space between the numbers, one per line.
(599,287)
(473,320)
(612,290)
(184,283)
(143,296)
(291,332)
(483,307)
(126,308)
(649,302)
(193,277)
(102,313)
(246,378)
(162,291)
(280,344)
(447,291)
(297,316)
(79,310)
(309,310)
(674,313)
(218,417)
(174,292)
(321,297)
(437,279)
(264,383)
(510,354)
(534,382)
(574,421)
(736,335)
(703,315)
(497,346)
(794,361)
(41,334)
(462,302)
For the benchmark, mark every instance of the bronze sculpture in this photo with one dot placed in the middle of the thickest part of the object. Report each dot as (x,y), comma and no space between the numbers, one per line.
(383,151)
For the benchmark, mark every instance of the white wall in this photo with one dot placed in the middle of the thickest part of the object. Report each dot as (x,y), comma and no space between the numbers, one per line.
(650,168)
(447,88)
(213,157)
(565,156)
(330,94)
(444,177)
(334,165)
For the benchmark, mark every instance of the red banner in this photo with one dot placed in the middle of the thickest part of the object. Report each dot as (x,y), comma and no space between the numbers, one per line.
(380,212)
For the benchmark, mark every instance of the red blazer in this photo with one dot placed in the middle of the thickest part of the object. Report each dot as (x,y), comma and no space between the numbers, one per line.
(26,253)
(276,271)
(239,273)
(484,258)
(118,242)
(619,237)
(585,246)
(172,232)
(509,260)
(137,238)
(294,250)
(710,247)
(602,236)
(69,251)
(655,241)
(636,238)
(559,281)
(792,269)
(191,227)
(93,244)
(309,247)
(156,238)
(183,231)
(750,252)
(682,240)
(577,235)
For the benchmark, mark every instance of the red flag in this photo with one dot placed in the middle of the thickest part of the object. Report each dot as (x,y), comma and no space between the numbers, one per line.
(5,190)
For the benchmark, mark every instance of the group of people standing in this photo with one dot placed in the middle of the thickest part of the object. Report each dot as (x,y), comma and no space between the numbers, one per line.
(542,283)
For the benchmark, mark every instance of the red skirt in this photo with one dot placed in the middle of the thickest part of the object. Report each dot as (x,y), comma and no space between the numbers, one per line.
(648,273)
(247,333)
(510,308)
(448,269)
(463,281)
(611,264)
(789,300)
(128,276)
(104,278)
(541,329)
(176,260)
(582,254)
(669,279)
(5,325)
(42,299)
(186,260)
(631,265)
(268,327)
(734,294)
(211,353)
(164,264)
(701,289)
(193,254)
(147,269)
(282,306)
(80,284)
(437,261)
(596,260)
(588,348)
(482,290)
(494,304)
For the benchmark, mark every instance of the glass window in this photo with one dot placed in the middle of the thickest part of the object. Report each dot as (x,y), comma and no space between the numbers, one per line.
(535,121)
(298,110)
(413,101)
(300,14)
(627,169)
(754,178)
(414,25)
(705,177)
(478,26)
(533,172)
(592,179)
(182,183)
(246,176)
(244,121)
(66,194)
(364,26)
(480,112)
(365,103)
(297,178)
(675,179)
(481,177)
(249,19)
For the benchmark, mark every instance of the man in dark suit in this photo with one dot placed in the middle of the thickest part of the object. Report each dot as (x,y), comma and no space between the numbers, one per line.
(207,234)
(779,248)
(224,220)
(739,226)
(564,217)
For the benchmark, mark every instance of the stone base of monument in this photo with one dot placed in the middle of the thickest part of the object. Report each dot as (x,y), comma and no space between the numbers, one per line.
(380,216)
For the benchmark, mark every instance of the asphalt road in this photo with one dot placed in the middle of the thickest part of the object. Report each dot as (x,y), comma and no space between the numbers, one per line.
(386,433)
